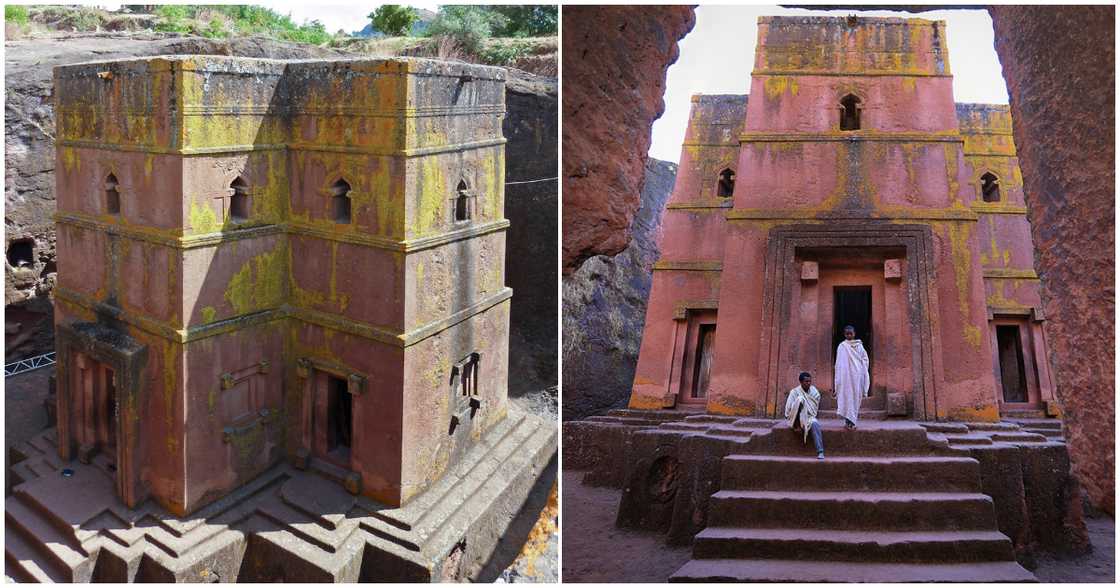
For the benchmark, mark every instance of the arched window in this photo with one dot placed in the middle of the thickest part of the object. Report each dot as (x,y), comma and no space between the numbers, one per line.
(849,113)
(726,185)
(112,196)
(340,202)
(989,187)
(462,202)
(239,200)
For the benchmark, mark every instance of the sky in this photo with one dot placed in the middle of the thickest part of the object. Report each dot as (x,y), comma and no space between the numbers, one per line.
(704,66)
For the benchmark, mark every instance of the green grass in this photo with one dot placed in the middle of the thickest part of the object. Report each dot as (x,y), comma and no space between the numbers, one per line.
(225,20)
(15,13)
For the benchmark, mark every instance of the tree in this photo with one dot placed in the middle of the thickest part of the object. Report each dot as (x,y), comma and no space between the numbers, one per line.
(469,25)
(526,20)
(393,19)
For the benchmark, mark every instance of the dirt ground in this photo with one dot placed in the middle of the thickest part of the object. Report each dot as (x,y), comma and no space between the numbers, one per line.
(597,551)
(1096,566)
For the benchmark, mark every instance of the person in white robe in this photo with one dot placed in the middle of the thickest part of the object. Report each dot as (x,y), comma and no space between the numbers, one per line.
(852,377)
(801,411)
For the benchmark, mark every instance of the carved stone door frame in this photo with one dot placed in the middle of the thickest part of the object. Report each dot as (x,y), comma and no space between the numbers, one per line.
(783,274)
(128,359)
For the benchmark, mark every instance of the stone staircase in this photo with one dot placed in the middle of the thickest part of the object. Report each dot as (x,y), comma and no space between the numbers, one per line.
(1050,428)
(872,408)
(888,504)
(286,523)
(720,426)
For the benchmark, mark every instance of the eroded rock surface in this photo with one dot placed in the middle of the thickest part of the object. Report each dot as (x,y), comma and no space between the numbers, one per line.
(1059,63)
(530,127)
(613,91)
(605,308)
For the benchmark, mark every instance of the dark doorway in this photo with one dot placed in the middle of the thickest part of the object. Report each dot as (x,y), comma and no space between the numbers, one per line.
(110,414)
(339,417)
(852,306)
(705,343)
(1011,363)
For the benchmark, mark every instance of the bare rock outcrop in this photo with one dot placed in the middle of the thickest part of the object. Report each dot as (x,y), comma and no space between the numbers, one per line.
(614,86)
(605,308)
(1059,63)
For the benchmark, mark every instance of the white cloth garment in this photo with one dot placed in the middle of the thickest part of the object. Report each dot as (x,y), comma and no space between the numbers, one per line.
(852,380)
(808,402)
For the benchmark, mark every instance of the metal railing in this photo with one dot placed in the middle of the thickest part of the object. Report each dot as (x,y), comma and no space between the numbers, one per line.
(26,365)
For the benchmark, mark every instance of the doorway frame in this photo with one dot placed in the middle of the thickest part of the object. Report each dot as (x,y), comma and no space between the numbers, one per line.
(311,378)
(128,360)
(691,339)
(1035,372)
(783,274)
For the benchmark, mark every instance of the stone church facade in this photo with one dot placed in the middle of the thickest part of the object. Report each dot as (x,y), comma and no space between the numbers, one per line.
(848,189)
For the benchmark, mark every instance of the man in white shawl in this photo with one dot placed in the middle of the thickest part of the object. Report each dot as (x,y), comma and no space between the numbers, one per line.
(801,411)
(852,379)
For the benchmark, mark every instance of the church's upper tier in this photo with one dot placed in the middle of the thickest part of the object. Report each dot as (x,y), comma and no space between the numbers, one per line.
(851,45)
(203,104)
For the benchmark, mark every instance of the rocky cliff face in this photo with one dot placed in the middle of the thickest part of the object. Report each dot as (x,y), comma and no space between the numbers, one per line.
(605,308)
(530,126)
(1059,63)
(614,83)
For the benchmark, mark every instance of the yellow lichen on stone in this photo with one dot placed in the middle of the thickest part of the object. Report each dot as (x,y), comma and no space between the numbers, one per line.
(69,158)
(958,237)
(203,219)
(259,284)
(775,86)
(433,188)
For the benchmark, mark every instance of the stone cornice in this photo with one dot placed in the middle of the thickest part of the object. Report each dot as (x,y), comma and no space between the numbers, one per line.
(833,73)
(728,145)
(707,203)
(849,136)
(914,214)
(294,146)
(382,334)
(1001,273)
(981,207)
(688,266)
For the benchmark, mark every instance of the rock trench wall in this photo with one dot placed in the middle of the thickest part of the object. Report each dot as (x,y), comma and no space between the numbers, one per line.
(605,308)
(1060,67)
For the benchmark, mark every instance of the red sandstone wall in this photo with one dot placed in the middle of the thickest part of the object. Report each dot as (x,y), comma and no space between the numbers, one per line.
(613,88)
(1059,63)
